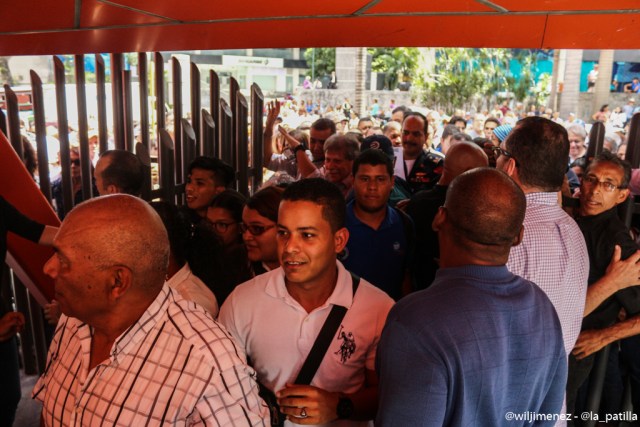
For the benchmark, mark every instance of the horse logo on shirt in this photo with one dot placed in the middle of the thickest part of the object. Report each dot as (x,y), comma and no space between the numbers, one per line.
(348,346)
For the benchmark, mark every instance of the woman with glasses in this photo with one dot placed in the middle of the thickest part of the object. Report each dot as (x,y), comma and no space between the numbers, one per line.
(259,220)
(224,215)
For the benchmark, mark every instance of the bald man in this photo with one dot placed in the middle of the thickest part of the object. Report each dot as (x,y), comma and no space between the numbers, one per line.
(424,205)
(128,350)
(481,343)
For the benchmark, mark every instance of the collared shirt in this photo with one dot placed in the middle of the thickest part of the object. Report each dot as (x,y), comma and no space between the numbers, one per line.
(174,366)
(191,288)
(554,256)
(277,333)
(344,186)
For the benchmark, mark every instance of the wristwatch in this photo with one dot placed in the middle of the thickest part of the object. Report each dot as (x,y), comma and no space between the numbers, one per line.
(298,148)
(345,408)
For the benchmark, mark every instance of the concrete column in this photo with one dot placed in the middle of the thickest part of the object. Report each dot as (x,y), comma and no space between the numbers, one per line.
(361,78)
(603,84)
(346,69)
(570,94)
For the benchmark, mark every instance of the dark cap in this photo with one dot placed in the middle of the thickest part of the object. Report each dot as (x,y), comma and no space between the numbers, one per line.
(378,142)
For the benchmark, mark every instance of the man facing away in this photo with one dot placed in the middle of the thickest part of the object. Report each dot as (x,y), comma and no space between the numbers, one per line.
(119,171)
(277,316)
(480,342)
(129,350)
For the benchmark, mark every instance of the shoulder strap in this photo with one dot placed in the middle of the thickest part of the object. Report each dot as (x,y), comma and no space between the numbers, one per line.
(320,347)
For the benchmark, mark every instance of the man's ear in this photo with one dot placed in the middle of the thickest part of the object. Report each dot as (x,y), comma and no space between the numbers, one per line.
(518,239)
(624,193)
(120,283)
(439,219)
(340,239)
(510,167)
(112,189)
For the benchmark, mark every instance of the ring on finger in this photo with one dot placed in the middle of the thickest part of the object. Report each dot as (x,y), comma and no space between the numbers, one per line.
(303,413)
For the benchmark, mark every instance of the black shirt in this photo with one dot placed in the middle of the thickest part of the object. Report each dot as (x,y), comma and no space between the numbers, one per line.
(601,233)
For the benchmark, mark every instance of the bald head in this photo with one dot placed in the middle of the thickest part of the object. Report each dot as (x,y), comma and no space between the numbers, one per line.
(484,214)
(460,158)
(121,230)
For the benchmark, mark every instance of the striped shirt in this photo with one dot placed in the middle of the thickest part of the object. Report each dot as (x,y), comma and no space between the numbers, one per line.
(553,255)
(174,366)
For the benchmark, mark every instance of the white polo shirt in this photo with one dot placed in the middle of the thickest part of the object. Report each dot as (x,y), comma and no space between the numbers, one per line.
(277,333)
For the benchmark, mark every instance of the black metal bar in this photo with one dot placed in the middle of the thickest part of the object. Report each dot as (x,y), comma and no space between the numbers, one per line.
(234,90)
(596,383)
(224,126)
(214,106)
(127,103)
(167,178)
(257,136)
(63,136)
(144,98)
(39,341)
(83,129)
(596,141)
(207,135)
(633,141)
(188,144)
(13,116)
(37,97)
(195,106)
(177,115)
(117,65)
(143,154)
(103,133)
(3,122)
(158,65)
(242,144)
(27,335)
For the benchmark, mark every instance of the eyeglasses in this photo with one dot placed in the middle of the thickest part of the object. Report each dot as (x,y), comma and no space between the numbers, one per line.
(221,227)
(75,162)
(255,230)
(497,152)
(591,180)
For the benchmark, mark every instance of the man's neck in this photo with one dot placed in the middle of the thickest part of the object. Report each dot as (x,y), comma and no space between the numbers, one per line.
(314,294)
(372,219)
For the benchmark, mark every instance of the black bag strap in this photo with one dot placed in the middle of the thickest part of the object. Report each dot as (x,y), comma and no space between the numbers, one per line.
(320,347)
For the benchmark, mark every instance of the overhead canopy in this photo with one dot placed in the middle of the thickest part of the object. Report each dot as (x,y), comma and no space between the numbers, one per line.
(34,27)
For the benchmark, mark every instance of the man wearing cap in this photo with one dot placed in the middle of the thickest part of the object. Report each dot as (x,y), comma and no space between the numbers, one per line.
(371,219)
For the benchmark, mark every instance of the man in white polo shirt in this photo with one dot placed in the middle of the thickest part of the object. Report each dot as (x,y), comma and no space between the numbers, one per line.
(276,317)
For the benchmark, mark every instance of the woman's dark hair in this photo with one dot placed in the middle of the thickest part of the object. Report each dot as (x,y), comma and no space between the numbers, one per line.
(267,202)
(232,201)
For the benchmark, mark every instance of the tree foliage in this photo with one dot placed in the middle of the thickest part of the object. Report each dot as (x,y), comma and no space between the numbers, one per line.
(461,77)
(398,64)
(323,59)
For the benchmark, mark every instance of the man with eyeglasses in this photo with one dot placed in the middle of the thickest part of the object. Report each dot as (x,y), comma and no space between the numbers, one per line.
(604,187)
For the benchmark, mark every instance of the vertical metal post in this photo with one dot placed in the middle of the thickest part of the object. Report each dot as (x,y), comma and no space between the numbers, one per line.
(242,144)
(188,144)
(177,115)
(225,125)
(144,98)
(596,383)
(37,326)
(3,122)
(41,134)
(214,98)
(83,129)
(63,135)
(167,178)
(127,103)
(103,133)
(27,335)
(257,136)
(117,65)
(208,135)
(626,210)
(195,106)
(13,115)
(596,140)
(158,66)
(234,90)
(143,154)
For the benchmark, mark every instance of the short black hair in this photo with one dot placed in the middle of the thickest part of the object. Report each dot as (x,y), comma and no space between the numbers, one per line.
(124,171)
(461,137)
(456,119)
(420,116)
(223,174)
(373,157)
(607,156)
(449,130)
(365,119)
(402,108)
(541,148)
(323,193)
(324,124)
(494,120)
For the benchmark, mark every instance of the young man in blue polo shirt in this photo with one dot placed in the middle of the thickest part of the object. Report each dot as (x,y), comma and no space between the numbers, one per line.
(380,237)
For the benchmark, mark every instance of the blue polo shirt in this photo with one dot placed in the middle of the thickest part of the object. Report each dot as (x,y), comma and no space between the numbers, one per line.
(378,256)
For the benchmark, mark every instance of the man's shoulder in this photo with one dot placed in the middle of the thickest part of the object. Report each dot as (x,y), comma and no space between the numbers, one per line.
(372,296)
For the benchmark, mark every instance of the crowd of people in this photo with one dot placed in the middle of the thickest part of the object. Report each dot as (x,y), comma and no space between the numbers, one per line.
(405,268)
